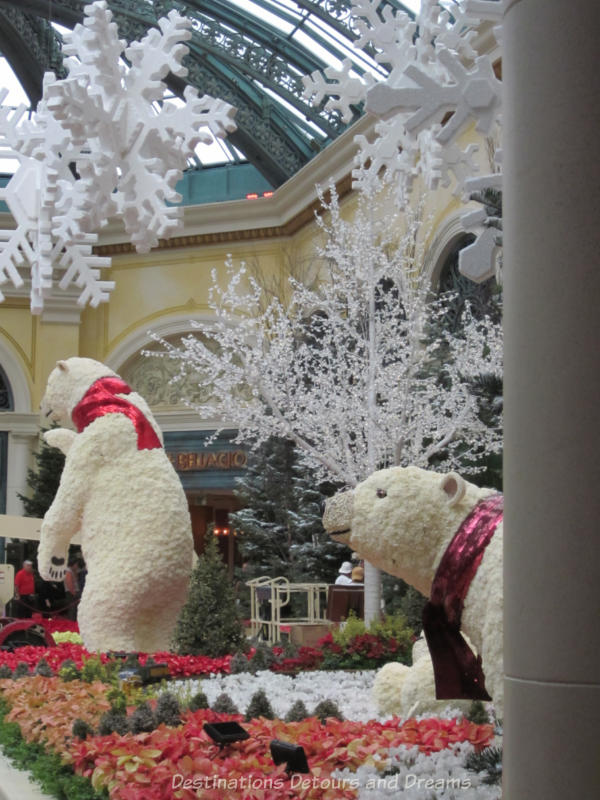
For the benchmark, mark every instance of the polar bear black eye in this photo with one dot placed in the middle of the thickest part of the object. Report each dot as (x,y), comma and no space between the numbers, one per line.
(381,493)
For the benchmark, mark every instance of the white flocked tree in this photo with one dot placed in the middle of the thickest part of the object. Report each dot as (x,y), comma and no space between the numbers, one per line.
(357,369)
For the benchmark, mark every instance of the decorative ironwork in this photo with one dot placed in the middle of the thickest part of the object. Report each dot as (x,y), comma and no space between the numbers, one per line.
(234,55)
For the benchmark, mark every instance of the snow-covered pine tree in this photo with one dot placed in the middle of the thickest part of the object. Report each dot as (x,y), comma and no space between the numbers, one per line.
(280,523)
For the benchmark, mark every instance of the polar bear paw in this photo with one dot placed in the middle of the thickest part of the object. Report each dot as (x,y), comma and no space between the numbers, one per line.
(55,568)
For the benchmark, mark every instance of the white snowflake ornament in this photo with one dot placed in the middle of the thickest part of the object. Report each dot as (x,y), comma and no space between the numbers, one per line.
(127,144)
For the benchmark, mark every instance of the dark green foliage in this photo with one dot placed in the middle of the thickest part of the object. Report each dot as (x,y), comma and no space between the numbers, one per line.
(94,670)
(198,701)
(81,730)
(43,668)
(54,777)
(113,722)
(5,671)
(168,710)
(209,623)
(325,709)
(488,761)
(225,705)
(297,712)
(43,480)
(21,670)
(259,706)
(69,671)
(142,720)
(262,658)
(477,713)
(290,650)
(412,605)
(118,701)
(239,663)
(280,523)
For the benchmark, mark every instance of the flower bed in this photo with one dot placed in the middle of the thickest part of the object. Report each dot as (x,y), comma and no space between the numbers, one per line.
(183,763)
(179,666)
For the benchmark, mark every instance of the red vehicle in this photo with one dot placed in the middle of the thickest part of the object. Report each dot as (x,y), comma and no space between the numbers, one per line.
(20,632)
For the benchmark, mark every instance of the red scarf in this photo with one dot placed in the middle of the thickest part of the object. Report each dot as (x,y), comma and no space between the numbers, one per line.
(458,673)
(101,398)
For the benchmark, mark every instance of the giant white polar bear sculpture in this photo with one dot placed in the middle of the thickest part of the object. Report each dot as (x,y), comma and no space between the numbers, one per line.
(442,535)
(120,491)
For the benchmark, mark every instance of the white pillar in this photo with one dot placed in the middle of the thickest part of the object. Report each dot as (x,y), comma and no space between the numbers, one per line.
(552,399)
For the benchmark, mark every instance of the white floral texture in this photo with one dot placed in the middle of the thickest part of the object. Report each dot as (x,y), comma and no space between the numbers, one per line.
(132,513)
(406,691)
(439,776)
(350,690)
(402,520)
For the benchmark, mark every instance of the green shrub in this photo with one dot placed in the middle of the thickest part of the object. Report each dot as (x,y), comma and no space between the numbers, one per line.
(198,701)
(297,712)
(69,671)
(168,710)
(209,623)
(352,627)
(412,605)
(239,663)
(262,658)
(21,670)
(225,705)
(142,720)
(113,722)
(5,671)
(81,729)
(325,709)
(94,670)
(259,706)
(43,668)
(118,701)
(477,713)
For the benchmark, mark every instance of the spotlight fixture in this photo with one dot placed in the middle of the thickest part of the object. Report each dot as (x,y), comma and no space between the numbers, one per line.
(291,754)
(224,733)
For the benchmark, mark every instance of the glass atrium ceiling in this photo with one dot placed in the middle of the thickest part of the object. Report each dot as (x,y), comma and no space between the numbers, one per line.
(251,53)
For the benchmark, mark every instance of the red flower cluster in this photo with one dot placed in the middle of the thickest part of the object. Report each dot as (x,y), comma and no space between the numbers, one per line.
(179,666)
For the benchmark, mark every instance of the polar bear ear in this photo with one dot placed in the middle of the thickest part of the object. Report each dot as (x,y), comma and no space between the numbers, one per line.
(63,366)
(454,487)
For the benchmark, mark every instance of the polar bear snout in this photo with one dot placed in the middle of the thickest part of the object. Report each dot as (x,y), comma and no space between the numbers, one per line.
(337,519)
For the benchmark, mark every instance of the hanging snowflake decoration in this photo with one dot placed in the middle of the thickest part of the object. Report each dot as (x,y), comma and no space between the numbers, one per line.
(103,141)
(436,87)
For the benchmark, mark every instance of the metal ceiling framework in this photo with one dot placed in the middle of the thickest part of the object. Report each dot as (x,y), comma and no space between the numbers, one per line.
(234,55)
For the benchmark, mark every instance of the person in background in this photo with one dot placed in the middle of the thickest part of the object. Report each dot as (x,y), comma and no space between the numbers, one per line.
(71,588)
(345,571)
(358,576)
(25,590)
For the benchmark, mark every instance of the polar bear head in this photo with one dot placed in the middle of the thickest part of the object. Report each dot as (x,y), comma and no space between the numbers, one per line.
(401,519)
(67,384)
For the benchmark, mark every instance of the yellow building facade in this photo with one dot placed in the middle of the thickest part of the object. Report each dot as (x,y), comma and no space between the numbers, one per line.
(161,293)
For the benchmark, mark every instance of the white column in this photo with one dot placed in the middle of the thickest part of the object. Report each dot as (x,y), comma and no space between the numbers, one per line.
(552,399)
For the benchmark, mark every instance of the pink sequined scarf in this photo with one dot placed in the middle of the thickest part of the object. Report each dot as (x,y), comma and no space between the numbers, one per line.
(458,672)
(101,398)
